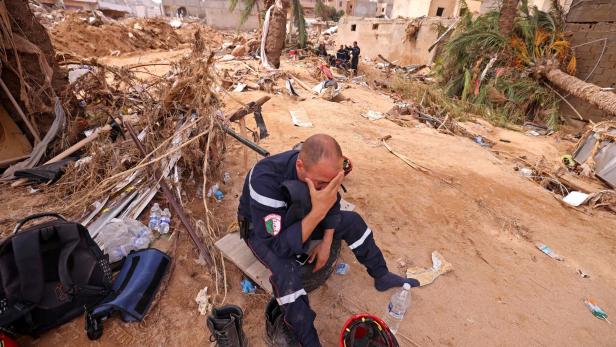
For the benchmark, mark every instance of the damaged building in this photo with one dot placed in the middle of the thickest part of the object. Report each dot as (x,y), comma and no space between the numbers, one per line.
(593,37)
(215,13)
(376,36)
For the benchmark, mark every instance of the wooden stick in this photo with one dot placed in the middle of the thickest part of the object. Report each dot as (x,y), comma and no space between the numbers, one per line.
(406,160)
(387,61)
(303,85)
(36,136)
(250,108)
(72,149)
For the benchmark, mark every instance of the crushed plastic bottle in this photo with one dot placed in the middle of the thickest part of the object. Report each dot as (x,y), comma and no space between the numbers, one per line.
(121,236)
(548,251)
(154,217)
(399,303)
(342,268)
(595,309)
(165,222)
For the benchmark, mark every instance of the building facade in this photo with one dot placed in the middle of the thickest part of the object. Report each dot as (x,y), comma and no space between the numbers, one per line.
(215,13)
(388,37)
(592,25)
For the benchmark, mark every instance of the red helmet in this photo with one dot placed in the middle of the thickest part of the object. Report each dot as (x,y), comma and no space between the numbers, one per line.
(366,330)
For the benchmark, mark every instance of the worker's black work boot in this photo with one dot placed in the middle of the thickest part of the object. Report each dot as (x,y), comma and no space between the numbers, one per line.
(225,323)
(277,332)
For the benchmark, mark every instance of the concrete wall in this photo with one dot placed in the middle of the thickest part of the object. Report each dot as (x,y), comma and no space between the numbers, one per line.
(474,6)
(361,8)
(544,5)
(388,38)
(215,12)
(410,8)
(589,21)
(448,8)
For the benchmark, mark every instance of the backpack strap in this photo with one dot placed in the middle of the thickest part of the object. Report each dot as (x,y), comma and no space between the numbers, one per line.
(27,255)
(70,238)
(29,263)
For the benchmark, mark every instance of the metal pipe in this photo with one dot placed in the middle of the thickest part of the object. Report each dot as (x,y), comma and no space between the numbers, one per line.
(264,152)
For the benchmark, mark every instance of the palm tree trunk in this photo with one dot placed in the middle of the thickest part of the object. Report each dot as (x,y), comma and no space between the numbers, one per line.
(604,100)
(508,12)
(277,32)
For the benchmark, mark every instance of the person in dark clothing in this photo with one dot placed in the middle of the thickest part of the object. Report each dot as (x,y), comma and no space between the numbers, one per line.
(276,234)
(355,59)
(342,54)
(322,51)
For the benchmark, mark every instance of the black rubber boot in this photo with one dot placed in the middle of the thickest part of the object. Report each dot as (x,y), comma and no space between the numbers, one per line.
(225,324)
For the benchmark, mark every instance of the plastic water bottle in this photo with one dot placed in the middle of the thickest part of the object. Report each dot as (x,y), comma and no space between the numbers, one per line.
(141,242)
(399,303)
(165,221)
(154,217)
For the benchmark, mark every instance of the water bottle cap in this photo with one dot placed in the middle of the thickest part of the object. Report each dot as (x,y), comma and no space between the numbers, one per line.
(406,286)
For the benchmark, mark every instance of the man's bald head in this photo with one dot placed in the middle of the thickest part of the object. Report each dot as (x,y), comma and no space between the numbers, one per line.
(320,147)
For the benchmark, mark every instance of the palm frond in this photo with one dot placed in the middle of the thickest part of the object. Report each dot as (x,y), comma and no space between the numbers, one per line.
(300,23)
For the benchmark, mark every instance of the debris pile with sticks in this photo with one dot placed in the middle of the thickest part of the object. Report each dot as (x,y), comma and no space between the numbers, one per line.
(86,35)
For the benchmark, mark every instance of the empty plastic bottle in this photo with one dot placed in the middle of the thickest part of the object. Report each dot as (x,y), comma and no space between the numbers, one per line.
(399,303)
(165,221)
(154,217)
(141,242)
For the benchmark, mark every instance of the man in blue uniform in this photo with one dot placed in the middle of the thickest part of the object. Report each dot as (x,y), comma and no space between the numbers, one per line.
(276,236)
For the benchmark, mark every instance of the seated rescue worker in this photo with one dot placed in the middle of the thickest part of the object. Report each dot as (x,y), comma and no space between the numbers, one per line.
(276,236)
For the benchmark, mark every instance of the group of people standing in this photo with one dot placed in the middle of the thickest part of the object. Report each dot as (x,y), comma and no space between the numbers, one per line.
(346,56)
(347,53)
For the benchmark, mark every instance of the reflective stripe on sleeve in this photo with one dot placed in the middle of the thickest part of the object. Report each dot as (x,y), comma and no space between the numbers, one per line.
(263,200)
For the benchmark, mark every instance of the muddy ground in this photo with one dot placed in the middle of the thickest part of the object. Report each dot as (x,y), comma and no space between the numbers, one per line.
(472,207)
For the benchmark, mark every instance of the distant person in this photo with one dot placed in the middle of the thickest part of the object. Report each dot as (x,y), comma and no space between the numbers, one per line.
(355,59)
(342,53)
(321,51)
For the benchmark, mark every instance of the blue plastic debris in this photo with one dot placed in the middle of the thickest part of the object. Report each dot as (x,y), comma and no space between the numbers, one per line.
(342,268)
(248,287)
(480,141)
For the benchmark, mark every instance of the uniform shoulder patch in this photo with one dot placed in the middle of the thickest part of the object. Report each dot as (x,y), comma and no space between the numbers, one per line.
(273,223)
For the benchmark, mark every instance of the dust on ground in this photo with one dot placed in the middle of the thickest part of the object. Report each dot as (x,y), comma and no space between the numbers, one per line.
(472,207)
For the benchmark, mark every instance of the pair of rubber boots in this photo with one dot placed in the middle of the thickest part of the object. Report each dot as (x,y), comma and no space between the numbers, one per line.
(225,324)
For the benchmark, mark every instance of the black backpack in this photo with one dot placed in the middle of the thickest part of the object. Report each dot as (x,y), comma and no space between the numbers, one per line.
(49,274)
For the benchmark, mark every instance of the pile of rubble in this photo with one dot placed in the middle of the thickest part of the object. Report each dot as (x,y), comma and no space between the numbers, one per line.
(92,34)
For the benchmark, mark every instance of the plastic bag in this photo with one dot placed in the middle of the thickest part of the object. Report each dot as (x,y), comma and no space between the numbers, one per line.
(121,236)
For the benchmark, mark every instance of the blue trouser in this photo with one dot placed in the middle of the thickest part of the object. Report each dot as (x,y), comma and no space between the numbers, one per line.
(286,275)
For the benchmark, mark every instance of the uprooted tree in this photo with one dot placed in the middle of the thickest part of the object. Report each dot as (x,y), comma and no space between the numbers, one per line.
(28,66)
(511,75)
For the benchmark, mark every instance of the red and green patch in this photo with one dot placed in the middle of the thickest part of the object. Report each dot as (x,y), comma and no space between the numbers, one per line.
(273,224)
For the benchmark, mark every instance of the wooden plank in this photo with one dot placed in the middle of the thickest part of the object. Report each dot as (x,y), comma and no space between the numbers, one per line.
(236,250)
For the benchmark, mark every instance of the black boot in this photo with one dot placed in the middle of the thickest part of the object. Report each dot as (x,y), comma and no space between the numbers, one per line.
(225,323)
(278,333)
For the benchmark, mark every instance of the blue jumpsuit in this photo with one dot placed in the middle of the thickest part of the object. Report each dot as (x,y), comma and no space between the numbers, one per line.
(275,241)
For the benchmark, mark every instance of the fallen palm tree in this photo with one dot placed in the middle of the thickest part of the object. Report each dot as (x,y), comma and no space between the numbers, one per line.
(511,76)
